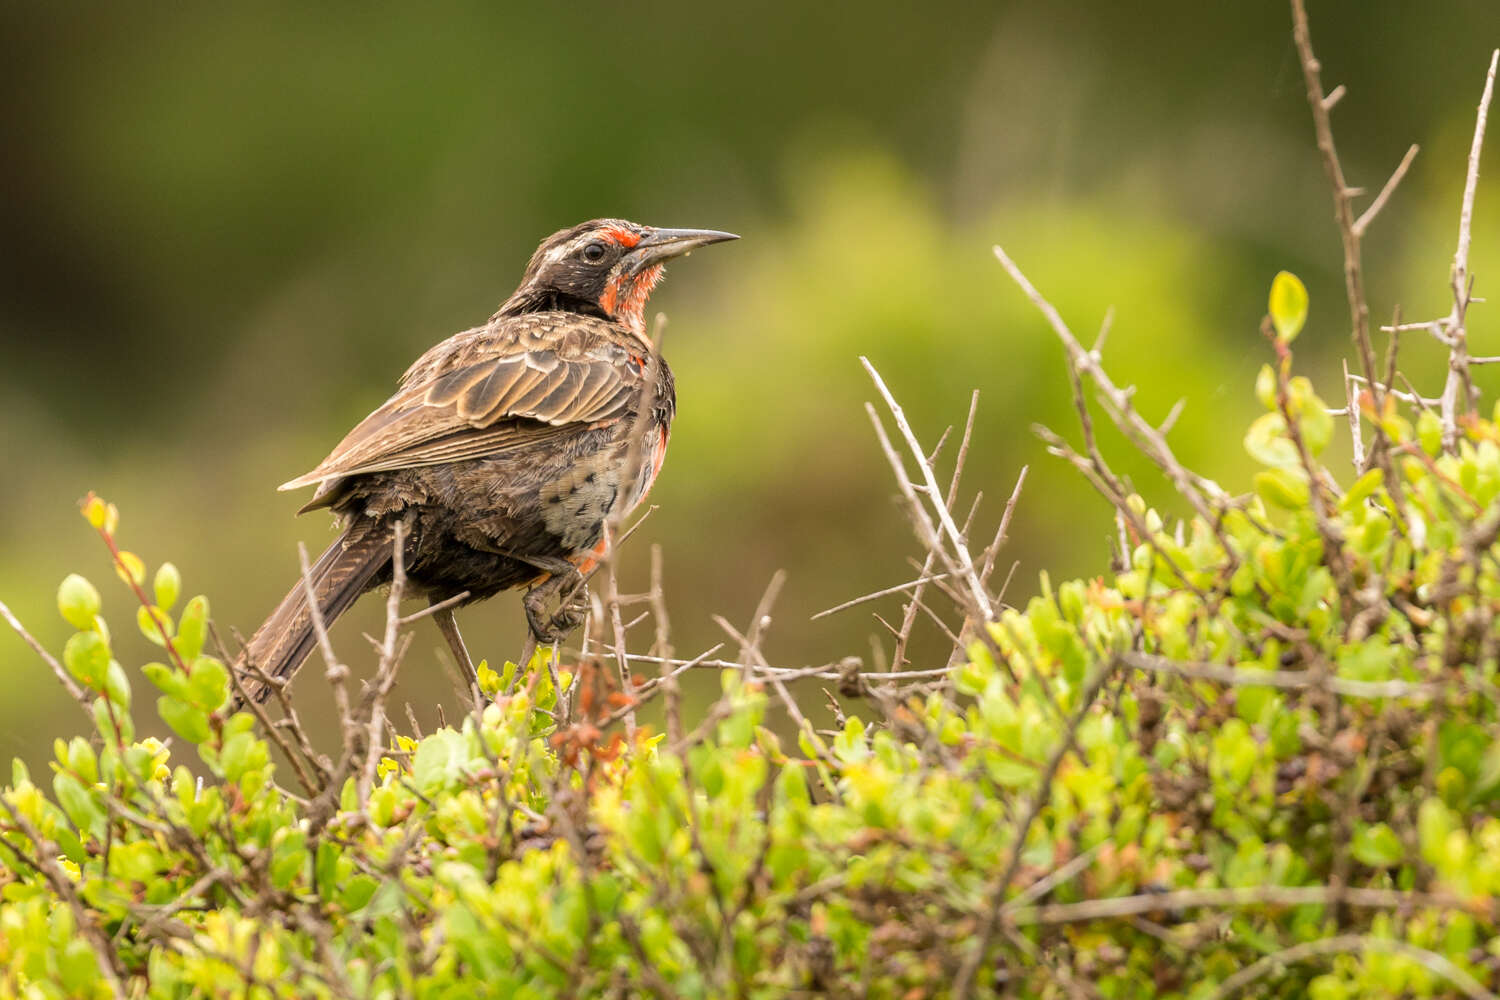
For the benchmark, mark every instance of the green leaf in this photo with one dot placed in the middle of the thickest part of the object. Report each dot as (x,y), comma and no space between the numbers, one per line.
(1265,387)
(113,722)
(439,760)
(1376,845)
(192,629)
(489,680)
(1363,488)
(1316,424)
(188,721)
(208,683)
(77,601)
(1283,488)
(130,568)
(87,658)
(167,586)
(1288,306)
(154,623)
(289,857)
(1430,432)
(1267,443)
(78,967)
(117,685)
(168,680)
(77,801)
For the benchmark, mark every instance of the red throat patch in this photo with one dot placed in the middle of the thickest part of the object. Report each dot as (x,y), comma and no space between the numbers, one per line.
(624,299)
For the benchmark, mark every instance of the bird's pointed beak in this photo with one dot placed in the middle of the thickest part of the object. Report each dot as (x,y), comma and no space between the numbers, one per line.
(660,245)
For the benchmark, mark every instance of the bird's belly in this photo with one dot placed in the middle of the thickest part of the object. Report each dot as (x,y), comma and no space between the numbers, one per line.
(484,525)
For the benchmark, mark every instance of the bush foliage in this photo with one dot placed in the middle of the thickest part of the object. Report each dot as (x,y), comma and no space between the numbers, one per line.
(1270,731)
(1255,755)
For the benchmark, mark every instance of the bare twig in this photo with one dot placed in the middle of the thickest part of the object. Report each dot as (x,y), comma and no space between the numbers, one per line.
(1194,488)
(1456,325)
(1352,943)
(1286,680)
(964,563)
(66,679)
(899,588)
(1266,895)
(1368,216)
(1343,193)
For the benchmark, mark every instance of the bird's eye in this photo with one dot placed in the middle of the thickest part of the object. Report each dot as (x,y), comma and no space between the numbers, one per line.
(593,253)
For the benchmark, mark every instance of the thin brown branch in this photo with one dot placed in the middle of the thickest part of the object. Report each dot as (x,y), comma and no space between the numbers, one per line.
(964,562)
(1352,944)
(1456,326)
(66,679)
(1343,194)
(1369,214)
(1266,895)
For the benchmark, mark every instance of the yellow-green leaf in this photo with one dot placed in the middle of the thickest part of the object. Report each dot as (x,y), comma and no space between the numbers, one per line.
(77,601)
(1282,487)
(131,569)
(1288,305)
(168,585)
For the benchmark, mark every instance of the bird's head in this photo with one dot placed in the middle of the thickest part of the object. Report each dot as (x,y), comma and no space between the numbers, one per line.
(604,267)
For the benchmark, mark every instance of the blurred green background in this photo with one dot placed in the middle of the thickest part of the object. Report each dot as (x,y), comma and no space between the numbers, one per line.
(230,229)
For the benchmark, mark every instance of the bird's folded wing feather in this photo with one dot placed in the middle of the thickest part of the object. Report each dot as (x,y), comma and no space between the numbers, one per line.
(486,406)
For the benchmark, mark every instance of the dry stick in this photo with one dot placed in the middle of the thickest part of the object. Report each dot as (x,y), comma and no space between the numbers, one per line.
(335,671)
(1150,440)
(1328,529)
(927,532)
(761,620)
(828,671)
(634,456)
(945,516)
(385,673)
(1266,895)
(1053,879)
(1286,680)
(909,613)
(665,681)
(1456,323)
(433,609)
(1004,529)
(68,683)
(290,722)
(662,647)
(1356,943)
(1343,194)
(1368,216)
(876,595)
(612,603)
(271,729)
(1351,410)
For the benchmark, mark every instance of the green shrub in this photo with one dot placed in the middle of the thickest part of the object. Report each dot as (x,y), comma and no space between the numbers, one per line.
(1270,734)
(1257,755)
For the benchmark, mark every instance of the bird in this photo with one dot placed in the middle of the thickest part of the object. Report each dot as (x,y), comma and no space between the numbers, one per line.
(503,452)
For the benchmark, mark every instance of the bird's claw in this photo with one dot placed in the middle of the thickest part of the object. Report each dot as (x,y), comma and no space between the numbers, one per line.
(554,629)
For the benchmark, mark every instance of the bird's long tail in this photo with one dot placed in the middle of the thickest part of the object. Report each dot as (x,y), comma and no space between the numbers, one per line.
(343,572)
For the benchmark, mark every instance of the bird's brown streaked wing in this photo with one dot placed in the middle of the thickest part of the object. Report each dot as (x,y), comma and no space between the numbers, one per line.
(483,408)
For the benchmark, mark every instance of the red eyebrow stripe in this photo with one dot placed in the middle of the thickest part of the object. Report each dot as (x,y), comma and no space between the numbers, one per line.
(624,237)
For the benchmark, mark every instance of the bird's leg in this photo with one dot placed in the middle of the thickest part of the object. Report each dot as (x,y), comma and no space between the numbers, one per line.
(563,578)
(448,625)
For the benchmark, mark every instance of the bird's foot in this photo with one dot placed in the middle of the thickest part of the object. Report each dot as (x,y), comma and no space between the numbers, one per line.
(570,615)
(552,629)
